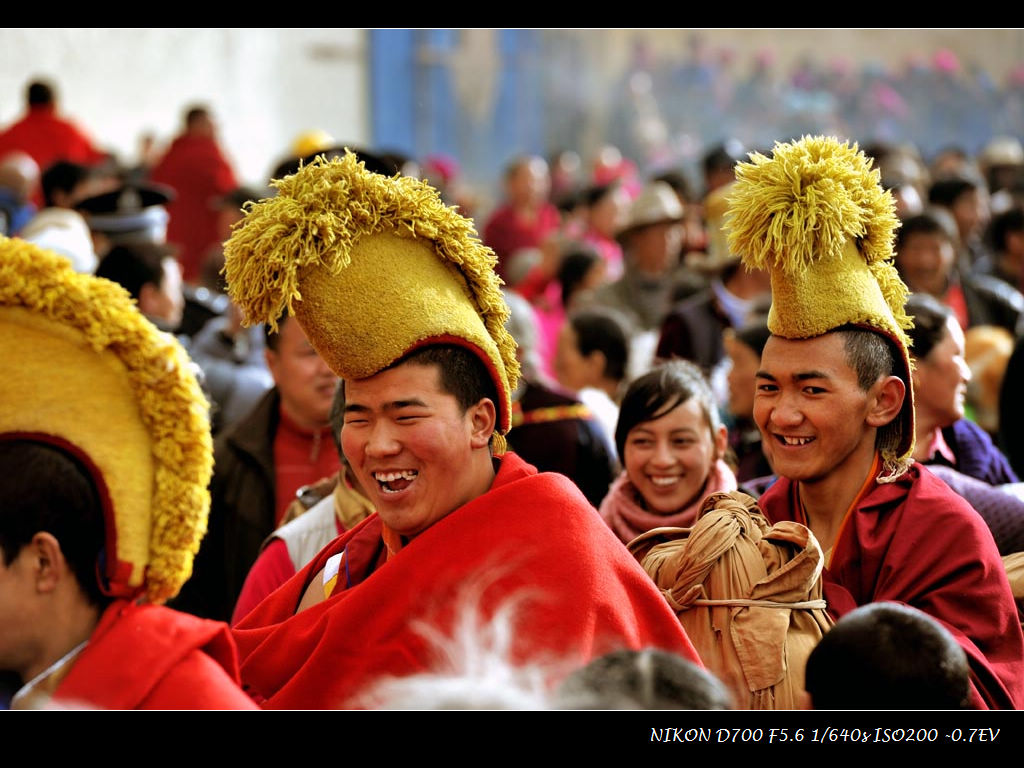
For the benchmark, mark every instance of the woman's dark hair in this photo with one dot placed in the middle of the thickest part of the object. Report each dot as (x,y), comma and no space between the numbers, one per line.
(930,318)
(593,195)
(660,390)
(601,330)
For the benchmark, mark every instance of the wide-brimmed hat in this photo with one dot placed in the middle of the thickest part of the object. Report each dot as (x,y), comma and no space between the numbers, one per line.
(657,203)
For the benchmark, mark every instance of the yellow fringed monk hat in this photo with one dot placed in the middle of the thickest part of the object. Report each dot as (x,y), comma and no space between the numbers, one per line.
(373,268)
(82,369)
(814,214)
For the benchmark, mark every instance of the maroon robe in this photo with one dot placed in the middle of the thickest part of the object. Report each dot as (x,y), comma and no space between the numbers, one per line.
(916,542)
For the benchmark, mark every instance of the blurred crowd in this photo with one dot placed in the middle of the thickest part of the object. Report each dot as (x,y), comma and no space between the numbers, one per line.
(613,273)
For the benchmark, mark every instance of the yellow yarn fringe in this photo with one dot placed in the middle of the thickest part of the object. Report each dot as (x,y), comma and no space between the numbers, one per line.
(319,214)
(805,202)
(171,404)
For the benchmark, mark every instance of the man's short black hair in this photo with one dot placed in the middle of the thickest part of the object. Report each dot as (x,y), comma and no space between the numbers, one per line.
(39,93)
(946,192)
(46,488)
(133,266)
(62,176)
(887,656)
(872,356)
(272,339)
(463,374)
(921,224)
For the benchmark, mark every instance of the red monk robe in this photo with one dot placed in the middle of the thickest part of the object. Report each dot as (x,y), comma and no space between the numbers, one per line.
(151,657)
(532,538)
(916,542)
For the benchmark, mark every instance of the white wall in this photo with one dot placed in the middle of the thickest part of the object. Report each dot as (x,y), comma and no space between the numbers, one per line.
(265,86)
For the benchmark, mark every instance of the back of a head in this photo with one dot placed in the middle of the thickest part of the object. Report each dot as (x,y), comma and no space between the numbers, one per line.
(887,656)
(62,177)
(40,93)
(647,679)
(603,330)
(198,120)
(134,266)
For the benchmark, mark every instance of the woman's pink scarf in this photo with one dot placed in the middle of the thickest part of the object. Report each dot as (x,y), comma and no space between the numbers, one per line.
(623,507)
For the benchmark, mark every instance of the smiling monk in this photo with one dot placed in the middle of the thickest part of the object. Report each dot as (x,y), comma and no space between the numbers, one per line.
(836,413)
(399,297)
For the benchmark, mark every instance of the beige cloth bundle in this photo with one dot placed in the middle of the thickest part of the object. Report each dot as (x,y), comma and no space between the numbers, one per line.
(747,593)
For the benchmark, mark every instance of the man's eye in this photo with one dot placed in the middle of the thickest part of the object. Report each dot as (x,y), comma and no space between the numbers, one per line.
(814,390)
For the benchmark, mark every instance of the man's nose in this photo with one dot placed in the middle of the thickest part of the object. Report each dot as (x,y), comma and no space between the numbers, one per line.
(786,413)
(382,440)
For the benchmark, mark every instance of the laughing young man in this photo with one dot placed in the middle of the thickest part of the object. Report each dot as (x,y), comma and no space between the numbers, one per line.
(836,413)
(398,296)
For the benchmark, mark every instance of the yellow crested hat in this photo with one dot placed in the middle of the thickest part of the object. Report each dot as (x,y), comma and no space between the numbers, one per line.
(373,268)
(814,214)
(82,369)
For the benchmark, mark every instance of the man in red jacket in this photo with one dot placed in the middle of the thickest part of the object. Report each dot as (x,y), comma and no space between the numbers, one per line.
(45,136)
(195,168)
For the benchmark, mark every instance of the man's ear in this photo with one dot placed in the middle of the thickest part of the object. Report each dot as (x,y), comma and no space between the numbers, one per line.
(597,363)
(270,357)
(148,294)
(888,396)
(483,417)
(48,563)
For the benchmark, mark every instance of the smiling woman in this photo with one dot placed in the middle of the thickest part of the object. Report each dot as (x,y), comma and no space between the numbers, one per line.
(940,379)
(671,442)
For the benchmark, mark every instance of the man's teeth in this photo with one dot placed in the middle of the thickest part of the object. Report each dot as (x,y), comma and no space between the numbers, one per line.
(664,480)
(796,440)
(388,477)
(393,482)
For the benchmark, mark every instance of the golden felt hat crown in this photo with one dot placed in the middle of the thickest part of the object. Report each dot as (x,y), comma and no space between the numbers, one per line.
(372,267)
(84,370)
